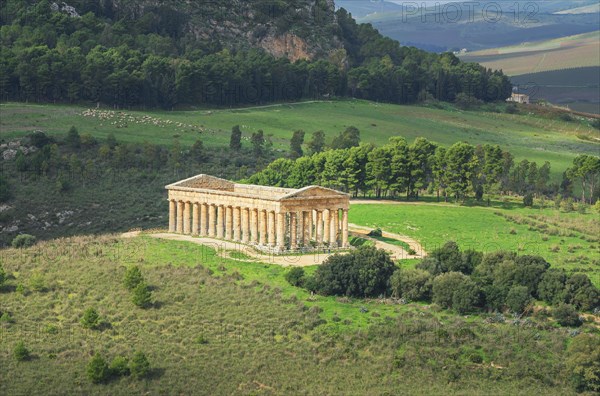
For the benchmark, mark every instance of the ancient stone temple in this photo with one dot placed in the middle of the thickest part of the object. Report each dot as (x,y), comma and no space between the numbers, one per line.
(271,218)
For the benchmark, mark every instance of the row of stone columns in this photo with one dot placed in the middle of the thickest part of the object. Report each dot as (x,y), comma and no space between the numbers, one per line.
(260,227)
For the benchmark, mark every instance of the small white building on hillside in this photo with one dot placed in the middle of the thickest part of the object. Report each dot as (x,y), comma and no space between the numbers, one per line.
(518,98)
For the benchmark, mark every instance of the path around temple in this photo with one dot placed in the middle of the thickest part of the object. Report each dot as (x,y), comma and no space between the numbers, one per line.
(228,249)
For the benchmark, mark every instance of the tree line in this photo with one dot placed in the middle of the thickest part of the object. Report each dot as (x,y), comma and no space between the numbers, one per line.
(128,62)
(399,168)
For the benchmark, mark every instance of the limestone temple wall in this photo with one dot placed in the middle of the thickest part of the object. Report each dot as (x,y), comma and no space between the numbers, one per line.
(271,218)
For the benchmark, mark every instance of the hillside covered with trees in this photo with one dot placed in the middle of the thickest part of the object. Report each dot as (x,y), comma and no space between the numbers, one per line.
(146,54)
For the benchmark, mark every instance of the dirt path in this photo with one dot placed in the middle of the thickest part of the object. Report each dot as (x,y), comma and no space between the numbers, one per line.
(228,250)
(397,251)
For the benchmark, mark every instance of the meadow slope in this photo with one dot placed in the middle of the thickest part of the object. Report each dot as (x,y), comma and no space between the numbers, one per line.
(219,326)
(525,135)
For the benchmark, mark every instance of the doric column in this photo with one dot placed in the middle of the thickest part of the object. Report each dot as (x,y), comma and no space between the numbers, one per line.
(180,217)
(345,228)
(319,228)
(237,224)
(195,216)
(326,228)
(246,225)
(172,216)
(263,227)
(212,215)
(220,221)
(280,230)
(335,227)
(228,222)
(293,230)
(203,219)
(307,228)
(254,225)
(271,228)
(186,217)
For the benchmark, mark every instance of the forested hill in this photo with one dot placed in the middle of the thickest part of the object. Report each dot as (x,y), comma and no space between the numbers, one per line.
(143,53)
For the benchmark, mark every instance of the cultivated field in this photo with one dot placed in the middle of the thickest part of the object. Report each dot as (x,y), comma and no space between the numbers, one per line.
(524,135)
(581,50)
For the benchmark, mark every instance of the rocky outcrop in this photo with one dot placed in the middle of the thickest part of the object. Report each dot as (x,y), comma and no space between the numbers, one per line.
(299,29)
(287,45)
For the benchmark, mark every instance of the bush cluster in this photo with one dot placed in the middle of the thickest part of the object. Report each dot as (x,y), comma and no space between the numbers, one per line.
(99,371)
(141,295)
(464,281)
(23,241)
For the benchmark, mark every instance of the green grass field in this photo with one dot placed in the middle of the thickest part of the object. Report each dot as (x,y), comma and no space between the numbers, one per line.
(566,240)
(526,136)
(260,335)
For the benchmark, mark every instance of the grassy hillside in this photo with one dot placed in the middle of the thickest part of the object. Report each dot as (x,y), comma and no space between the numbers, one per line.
(528,136)
(531,57)
(566,240)
(219,326)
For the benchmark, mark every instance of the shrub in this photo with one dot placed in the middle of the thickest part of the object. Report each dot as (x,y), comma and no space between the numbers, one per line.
(310,283)
(449,258)
(141,295)
(97,369)
(583,355)
(90,319)
(139,366)
(73,139)
(21,353)
(580,292)
(119,366)
(295,276)
(495,296)
(375,233)
(597,205)
(566,315)
(23,241)
(412,284)
(363,272)
(567,205)
(528,200)
(518,299)
(530,270)
(466,297)
(133,277)
(552,286)
(455,290)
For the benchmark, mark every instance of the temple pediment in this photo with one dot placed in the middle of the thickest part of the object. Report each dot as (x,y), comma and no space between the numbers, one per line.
(314,192)
(206,182)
